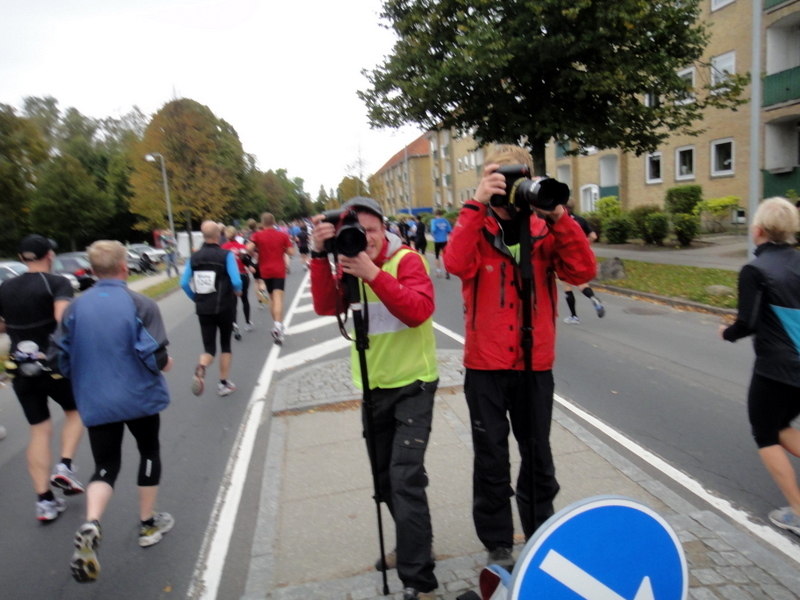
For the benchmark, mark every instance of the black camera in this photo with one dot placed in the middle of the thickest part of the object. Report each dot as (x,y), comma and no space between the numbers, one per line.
(350,239)
(544,194)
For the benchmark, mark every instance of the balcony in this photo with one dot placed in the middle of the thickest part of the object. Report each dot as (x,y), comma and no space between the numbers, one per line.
(778,184)
(782,87)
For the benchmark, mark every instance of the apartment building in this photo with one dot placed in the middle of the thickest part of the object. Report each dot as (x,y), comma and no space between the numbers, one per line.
(403,185)
(718,159)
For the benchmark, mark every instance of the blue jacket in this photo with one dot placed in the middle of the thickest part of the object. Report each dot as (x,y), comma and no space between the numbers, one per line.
(113,345)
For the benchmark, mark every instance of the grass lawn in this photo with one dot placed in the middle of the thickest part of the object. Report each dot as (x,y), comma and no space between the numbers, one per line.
(677,281)
(160,289)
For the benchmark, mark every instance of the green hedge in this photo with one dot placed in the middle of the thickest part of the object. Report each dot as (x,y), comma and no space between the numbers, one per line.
(657,227)
(686,228)
(683,199)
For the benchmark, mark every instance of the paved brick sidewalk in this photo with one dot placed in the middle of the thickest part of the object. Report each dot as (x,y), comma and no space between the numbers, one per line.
(317,535)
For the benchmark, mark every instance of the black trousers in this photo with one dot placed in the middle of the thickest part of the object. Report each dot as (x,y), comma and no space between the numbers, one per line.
(496,407)
(402,424)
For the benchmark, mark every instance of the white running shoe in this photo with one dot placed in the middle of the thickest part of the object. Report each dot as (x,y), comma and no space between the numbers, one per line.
(277,333)
(84,565)
(48,510)
(226,389)
(152,534)
(64,478)
(572,321)
(237,335)
(249,326)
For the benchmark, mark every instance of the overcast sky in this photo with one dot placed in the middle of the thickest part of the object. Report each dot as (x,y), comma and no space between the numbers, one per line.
(284,74)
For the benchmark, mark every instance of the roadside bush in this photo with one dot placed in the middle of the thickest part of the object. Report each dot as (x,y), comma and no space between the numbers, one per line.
(451,216)
(426,218)
(714,212)
(686,228)
(683,199)
(596,221)
(657,227)
(608,207)
(617,229)
(638,216)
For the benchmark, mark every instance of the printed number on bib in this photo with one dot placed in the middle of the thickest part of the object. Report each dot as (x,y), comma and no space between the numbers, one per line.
(204,282)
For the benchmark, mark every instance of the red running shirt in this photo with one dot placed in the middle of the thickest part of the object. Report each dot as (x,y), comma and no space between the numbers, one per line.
(271,245)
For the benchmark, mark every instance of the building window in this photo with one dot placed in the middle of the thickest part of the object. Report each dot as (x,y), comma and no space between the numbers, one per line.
(653,167)
(717,4)
(684,163)
(722,67)
(722,157)
(590,194)
(688,76)
(652,100)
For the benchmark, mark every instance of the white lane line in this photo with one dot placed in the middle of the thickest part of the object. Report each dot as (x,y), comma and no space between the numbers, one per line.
(297,359)
(449,332)
(214,550)
(310,325)
(305,308)
(767,534)
(764,532)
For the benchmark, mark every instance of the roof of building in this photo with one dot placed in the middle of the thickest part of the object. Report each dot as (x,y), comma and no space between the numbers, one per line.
(419,147)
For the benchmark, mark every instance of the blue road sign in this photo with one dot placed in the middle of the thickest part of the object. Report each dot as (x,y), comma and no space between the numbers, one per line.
(602,548)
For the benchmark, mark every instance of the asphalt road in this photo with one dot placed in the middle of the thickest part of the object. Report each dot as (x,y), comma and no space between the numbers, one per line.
(658,375)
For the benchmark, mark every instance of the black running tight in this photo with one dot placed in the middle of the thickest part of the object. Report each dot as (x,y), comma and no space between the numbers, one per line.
(106,443)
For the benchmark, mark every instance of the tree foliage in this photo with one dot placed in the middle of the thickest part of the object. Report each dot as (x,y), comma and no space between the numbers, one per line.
(540,69)
(351,187)
(204,162)
(22,149)
(68,205)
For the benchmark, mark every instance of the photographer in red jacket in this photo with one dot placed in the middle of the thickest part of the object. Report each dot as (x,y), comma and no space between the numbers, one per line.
(483,252)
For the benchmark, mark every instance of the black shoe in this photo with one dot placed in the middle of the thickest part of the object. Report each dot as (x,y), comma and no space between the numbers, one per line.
(412,594)
(502,557)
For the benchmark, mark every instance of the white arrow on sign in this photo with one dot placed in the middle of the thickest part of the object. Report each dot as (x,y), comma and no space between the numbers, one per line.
(583,584)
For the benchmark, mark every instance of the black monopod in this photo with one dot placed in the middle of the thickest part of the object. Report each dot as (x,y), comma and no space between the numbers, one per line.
(362,344)
(526,296)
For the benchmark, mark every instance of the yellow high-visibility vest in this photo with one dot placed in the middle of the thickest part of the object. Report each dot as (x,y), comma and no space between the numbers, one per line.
(398,355)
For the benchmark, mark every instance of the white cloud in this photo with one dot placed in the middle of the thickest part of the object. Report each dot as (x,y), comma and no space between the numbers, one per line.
(283,74)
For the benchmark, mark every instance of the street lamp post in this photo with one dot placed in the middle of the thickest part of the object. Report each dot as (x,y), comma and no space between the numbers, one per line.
(152,158)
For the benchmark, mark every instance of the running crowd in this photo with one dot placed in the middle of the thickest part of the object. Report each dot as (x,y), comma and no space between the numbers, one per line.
(62,347)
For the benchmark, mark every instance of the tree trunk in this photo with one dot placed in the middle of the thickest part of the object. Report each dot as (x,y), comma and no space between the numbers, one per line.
(539,160)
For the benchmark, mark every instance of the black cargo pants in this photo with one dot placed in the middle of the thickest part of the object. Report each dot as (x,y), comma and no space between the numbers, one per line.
(402,424)
(494,399)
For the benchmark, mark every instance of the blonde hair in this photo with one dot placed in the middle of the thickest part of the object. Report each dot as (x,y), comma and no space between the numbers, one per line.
(107,258)
(778,219)
(230,232)
(508,154)
(267,219)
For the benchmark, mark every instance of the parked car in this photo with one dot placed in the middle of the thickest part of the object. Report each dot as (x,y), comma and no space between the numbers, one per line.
(11,268)
(156,255)
(75,267)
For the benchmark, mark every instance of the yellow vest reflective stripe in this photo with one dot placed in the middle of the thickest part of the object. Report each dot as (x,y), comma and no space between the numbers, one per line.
(398,355)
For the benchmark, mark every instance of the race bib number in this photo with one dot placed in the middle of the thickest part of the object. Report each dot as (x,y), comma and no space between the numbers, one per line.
(204,282)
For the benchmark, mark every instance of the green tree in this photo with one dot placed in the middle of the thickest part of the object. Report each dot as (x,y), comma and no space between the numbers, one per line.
(67,205)
(204,161)
(351,187)
(540,69)
(22,149)
(324,201)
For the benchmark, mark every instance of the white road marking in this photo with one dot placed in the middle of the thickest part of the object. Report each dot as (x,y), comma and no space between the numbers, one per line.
(305,308)
(310,325)
(582,583)
(214,550)
(316,351)
(450,333)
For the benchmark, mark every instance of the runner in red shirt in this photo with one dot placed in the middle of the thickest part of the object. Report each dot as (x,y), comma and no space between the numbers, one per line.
(271,246)
(236,246)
